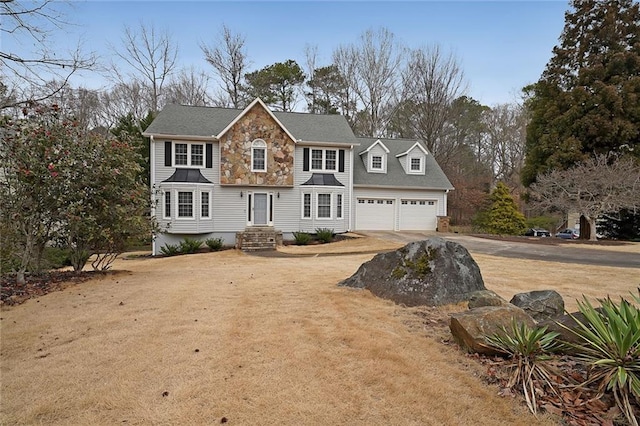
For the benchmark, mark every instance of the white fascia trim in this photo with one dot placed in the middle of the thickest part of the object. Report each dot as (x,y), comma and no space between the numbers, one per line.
(403,187)
(179,137)
(378,142)
(410,149)
(244,111)
(336,144)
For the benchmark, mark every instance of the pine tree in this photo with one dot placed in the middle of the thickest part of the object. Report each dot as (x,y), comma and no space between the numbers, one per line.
(588,98)
(502,216)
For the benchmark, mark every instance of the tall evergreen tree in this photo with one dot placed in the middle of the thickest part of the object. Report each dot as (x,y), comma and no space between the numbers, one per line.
(588,98)
(502,216)
(276,84)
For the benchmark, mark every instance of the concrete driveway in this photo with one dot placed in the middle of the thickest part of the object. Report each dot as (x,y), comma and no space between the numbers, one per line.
(524,249)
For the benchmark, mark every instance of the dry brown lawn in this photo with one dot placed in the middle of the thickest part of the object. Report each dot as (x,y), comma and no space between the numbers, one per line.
(255,340)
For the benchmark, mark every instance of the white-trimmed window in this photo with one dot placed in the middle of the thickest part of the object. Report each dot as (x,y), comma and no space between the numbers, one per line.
(188,154)
(185,204)
(324,159)
(306,205)
(323,206)
(258,156)
(205,204)
(376,162)
(167,205)
(338,206)
(416,165)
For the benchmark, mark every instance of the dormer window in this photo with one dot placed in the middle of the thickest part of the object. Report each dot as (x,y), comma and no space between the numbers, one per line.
(416,164)
(258,156)
(376,162)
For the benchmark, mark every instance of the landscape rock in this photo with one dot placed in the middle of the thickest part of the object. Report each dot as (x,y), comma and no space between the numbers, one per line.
(568,321)
(432,272)
(471,328)
(541,304)
(482,298)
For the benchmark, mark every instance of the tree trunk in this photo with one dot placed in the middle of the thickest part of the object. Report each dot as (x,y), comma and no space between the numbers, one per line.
(585,228)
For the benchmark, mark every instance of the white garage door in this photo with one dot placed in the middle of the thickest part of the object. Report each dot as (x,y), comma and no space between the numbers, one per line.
(374,214)
(418,215)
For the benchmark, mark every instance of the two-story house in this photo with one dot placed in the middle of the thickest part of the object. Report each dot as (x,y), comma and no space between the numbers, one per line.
(217,172)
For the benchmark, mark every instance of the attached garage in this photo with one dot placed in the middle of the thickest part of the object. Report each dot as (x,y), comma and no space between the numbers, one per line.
(375,214)
(418,215)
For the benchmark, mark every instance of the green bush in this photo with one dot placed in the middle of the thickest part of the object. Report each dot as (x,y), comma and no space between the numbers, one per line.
(301,238)
(214,244)
(610,345)
(56,257)
(502,217)
(325,235)
(527,349)
(170,249)
(545,222)
(189,245)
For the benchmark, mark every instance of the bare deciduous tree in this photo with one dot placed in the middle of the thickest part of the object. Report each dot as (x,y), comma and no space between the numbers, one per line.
(504,144)
(189,87)
(371,69)
(602,184)
(228,57)
(151,54)
(431,82)
(27,76)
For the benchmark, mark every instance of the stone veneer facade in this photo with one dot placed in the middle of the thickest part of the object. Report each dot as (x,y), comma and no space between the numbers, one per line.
(235,151)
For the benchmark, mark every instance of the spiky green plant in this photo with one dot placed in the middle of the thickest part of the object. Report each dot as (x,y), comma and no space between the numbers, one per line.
(610,345)
(528,351)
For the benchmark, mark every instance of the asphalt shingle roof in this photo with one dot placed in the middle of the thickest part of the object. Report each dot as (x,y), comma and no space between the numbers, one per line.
(434,177)
(181,120)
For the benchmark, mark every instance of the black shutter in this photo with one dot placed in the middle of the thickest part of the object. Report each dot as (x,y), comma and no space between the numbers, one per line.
(168,154)
(209,153)
(305,159)
(341,160)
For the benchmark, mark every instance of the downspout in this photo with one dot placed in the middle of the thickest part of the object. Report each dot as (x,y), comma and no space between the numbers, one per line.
(351,200)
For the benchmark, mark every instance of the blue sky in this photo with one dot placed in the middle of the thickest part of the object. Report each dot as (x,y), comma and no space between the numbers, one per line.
(501,45)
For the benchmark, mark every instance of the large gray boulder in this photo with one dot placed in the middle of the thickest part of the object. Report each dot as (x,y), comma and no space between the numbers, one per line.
(471,328)
(541,304)
(432,272)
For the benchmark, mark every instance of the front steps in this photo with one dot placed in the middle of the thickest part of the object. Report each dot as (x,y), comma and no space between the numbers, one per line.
(255,238)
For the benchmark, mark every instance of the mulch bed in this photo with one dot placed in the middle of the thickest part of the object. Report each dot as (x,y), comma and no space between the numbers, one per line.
(40,284)
(576,406)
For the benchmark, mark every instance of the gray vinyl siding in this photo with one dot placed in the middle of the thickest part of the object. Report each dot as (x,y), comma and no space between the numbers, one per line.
(162,172)
(440,197)
(294,215)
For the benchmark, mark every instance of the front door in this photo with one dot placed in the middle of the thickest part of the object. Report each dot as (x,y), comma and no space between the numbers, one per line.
(260,210)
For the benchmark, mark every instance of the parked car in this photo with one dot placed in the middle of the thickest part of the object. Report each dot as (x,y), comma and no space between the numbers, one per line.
(568,234)
(537,232)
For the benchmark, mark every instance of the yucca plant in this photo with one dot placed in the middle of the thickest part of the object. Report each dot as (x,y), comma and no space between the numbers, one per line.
(528,350)
(610,345)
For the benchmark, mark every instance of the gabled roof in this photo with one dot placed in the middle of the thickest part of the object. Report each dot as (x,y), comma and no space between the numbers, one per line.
(370,147)
(247,109)
(187,176)
(434,177)
(181,121)
(419,145)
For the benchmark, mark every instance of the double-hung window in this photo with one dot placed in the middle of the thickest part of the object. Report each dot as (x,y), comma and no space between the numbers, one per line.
(259,156)
(167,205)
(416,164)
(188,154)
(306,205)
(205,205)
(324,206)
(185,204)
(324,159)
(376,162)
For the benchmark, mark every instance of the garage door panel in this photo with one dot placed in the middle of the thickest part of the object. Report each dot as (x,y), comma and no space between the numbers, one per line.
(374,214)
(418,215)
